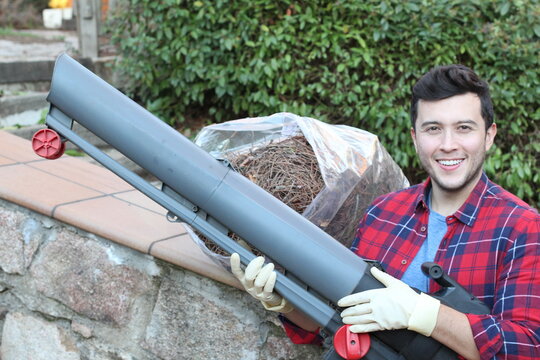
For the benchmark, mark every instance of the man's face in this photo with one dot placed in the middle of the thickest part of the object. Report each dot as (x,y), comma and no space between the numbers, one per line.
(451,141)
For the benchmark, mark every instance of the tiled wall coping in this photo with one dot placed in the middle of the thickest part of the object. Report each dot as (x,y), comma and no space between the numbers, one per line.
(94,199)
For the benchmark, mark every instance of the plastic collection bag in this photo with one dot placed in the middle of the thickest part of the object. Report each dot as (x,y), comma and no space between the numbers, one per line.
(354,165)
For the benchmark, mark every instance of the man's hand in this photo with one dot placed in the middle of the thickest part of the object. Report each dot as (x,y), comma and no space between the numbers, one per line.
(259,282)
(397,306)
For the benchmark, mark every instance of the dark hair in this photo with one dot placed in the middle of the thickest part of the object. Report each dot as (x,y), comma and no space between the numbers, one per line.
(442,82)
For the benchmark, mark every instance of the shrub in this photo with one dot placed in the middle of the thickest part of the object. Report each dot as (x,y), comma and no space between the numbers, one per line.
(345,62)
(20,14)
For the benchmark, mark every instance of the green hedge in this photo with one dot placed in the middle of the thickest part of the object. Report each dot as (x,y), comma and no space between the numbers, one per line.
(345,62)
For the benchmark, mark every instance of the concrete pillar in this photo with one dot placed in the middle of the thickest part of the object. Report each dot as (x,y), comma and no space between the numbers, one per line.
(88,19)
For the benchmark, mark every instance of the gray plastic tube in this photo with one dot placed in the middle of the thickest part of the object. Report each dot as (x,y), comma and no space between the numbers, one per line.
(307,252)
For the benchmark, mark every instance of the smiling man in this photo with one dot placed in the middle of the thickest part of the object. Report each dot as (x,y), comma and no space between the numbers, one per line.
(482,235)
(451,139)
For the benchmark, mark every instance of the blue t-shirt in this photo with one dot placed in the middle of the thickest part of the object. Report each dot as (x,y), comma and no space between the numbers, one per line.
(437,228)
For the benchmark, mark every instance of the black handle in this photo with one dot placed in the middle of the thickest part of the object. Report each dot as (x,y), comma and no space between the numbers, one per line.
(452,293)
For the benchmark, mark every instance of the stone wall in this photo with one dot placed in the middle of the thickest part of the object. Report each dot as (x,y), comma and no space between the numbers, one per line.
(66,294)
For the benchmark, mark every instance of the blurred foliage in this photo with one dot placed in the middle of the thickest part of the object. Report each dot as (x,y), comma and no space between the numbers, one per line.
(21,14)
(345,62)
(75,153)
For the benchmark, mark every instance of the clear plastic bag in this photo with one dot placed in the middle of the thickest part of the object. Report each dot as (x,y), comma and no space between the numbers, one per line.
(354,165)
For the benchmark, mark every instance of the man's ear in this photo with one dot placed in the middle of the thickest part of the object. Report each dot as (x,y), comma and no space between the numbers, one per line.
(490,135)
(413,135)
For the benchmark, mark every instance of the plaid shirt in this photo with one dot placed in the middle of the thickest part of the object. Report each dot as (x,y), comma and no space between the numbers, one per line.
(492,248)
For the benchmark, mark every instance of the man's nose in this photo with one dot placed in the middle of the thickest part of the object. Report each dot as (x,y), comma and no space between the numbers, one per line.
(448,141)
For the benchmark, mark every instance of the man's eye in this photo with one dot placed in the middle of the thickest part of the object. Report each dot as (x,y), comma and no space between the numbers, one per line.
(464,128)
(432,129)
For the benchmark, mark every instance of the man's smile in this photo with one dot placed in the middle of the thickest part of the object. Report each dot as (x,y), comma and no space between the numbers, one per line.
(450,162)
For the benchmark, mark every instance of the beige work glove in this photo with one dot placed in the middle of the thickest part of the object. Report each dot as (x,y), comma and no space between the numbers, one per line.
(259,281)
(397,306)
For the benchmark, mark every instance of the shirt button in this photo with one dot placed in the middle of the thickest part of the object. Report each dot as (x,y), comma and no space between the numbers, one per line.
(423,228)
(403,262)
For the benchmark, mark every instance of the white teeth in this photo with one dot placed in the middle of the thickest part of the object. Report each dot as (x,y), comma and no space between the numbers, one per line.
(449,162)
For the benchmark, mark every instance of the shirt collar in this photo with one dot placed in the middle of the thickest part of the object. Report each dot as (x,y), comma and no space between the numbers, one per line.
(422,194)
(468,212)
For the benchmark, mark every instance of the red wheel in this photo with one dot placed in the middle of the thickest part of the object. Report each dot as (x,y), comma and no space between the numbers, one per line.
(59,153)
(47,143)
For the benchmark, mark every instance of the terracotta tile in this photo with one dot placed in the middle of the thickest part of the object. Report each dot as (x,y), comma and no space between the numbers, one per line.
(38,190)
(117,220)
(16,148)
(81,172)
(6,161)
(71,190)
(182,251)
(138,198)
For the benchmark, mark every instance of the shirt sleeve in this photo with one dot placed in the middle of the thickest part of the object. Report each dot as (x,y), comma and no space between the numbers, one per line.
(299,335)
(512,330)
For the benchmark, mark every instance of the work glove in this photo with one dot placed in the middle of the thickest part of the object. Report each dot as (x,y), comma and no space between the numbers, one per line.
(259,281)
(397,306)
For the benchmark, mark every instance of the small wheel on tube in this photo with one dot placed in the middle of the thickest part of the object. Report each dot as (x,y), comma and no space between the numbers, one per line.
(48,144)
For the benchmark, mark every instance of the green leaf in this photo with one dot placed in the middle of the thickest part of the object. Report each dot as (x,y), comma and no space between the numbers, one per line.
(505,7)
(411,6)
(537,30)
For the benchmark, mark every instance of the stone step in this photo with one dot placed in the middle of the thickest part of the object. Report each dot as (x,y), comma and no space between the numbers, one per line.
(29,71)
(21,109)
(17,103)
(26,71)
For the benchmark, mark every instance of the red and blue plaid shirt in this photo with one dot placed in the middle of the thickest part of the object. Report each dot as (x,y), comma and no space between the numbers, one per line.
(492,248)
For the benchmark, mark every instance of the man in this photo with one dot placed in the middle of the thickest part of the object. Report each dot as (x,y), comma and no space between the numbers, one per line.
(483,236)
